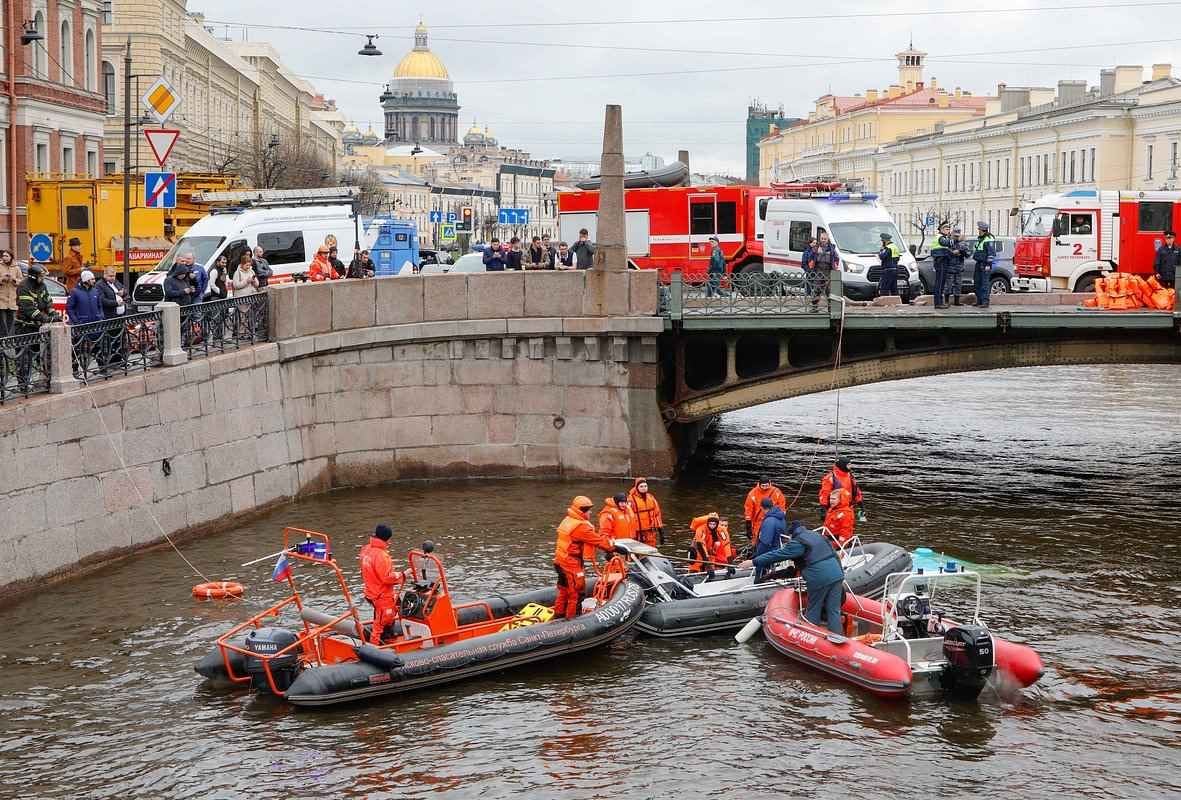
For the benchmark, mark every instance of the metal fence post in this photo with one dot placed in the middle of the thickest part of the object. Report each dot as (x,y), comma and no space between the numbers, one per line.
(676,287)
(61,371)
(171,345)
(836,294)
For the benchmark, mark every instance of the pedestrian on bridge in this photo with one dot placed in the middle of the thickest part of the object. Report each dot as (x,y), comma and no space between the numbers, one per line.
(819,262)
(889,256)
(1168,257)
(717,268)
(983,253)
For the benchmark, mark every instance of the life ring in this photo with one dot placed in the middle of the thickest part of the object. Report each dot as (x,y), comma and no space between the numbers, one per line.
(217,590)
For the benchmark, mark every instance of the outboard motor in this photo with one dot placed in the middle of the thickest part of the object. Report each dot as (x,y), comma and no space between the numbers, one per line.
(284,669)
(971,659)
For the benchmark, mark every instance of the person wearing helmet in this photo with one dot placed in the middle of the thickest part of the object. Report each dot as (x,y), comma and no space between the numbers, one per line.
(382,583)
(839,477)
(983,253)
(752,509)
(955,267)
(649,521)
(941,255)
(34,307)
(711,543)
(575,534)
(320,269)
(889,255)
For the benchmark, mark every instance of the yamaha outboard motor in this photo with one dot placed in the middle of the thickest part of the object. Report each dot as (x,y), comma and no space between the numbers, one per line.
(971,659)
(284,669)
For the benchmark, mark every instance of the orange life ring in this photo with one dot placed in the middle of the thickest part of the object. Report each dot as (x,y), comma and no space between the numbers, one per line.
(217,590)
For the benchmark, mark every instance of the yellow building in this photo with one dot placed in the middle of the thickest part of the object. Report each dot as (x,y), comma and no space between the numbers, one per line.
(841,136)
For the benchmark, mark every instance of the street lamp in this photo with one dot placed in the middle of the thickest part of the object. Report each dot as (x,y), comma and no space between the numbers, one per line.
(31,34)
(369,49)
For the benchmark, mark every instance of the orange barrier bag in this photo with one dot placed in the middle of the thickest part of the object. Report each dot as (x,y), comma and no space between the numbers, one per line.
(1090,302)
(1101,292)
(1154,284)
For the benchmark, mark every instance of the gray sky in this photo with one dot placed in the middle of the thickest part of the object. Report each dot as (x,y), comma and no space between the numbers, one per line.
(788,62)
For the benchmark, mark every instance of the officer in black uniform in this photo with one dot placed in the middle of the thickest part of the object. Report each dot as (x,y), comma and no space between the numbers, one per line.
(889,256)
(941,255)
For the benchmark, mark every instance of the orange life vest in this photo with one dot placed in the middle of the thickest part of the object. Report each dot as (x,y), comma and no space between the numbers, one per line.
(647,510)
(713,546)
(575,532)
(377,570)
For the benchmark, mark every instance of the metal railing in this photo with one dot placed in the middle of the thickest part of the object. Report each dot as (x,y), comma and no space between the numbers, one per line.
(212,328)
(115,347)
(746,294)
(24,365)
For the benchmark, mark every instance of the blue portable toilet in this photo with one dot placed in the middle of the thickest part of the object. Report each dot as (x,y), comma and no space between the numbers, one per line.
(395,246)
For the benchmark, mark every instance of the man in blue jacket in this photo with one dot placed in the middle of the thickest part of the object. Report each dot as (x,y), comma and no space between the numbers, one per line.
(823,575)
(84,304)
(493,258)
(772,529)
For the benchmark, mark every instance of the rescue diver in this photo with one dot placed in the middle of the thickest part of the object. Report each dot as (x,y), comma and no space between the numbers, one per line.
(839,477)
(649,522)
(382,583)
(753,511)
(574,534)
(823,576)
(711,543)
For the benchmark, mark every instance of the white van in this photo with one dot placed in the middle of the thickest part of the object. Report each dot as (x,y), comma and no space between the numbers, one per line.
(854,223)
(289,235)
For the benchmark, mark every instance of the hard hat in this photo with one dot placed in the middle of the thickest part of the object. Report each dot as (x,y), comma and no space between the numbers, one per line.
(36,271)
(582,501)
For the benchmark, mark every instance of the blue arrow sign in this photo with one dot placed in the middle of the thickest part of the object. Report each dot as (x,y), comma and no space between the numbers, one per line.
(41,247)
(160,189)
(523,216)
(436,216)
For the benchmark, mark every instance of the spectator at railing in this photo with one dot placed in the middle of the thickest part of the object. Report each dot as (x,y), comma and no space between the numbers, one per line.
(339,271)
(262,269)
(199,277)
(111,293)
(320,269)
(215,289)
(177,286)
(83,305)
(245,281)
(361,266)
(10,278)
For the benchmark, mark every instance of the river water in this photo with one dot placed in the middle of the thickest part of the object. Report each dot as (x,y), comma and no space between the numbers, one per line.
(1066,479)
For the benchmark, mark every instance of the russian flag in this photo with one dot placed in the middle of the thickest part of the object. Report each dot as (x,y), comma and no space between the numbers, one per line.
(282,569)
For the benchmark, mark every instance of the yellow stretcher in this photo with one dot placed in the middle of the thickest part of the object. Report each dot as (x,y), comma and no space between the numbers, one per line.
(530,614)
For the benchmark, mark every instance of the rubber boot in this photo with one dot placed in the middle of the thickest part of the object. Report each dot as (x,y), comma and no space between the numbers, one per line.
(955,299)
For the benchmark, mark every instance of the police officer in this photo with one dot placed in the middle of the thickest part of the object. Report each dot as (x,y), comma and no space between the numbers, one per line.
(983,253)
(960,250)
(1167,259)
(888,255)
(941,255)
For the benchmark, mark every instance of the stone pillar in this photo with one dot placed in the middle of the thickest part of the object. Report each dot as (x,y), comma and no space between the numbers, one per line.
(171,346)
(61,361)
(611,247)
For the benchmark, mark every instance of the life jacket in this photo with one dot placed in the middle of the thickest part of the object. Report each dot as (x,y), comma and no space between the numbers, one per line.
(617,522)
(376,569)
(573,532)
(838,479)
(713,546)
(889,255)
(839,520)
(647,510)
(754,505)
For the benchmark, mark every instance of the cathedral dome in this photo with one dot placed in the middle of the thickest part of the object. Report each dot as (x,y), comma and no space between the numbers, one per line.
(421,62)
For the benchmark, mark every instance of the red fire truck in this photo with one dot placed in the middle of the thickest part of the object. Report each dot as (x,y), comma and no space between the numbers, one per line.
(669,228)
(1068,240)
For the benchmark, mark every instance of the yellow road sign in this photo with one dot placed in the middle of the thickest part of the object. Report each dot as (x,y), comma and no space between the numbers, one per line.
(161,100)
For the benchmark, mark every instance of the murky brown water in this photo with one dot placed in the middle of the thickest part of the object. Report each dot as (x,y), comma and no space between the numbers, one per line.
(1070,476)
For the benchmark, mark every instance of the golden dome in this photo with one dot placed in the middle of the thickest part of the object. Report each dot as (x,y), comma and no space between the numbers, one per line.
(421,62)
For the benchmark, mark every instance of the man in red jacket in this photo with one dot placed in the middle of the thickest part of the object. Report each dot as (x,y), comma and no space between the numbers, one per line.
(382,583)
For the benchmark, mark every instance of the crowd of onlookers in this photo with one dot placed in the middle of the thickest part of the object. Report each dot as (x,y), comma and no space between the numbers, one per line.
(189,282)
(541,254)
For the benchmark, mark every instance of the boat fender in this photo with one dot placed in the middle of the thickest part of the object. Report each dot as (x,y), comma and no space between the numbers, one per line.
(379,658)
(748,630)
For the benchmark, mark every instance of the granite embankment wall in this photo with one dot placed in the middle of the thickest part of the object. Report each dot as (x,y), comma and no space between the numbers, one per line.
(365,382)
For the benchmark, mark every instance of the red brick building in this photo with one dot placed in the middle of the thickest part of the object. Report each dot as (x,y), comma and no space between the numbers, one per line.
(51,101)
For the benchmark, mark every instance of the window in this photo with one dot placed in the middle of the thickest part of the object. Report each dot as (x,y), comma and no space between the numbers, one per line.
(1021,172)
(728,217)
(67,160)
(109,168)
(1037,172)
(1006,173)
(1155,216)
(988,175)
(1082,165)
(701,217)
(65,60)
(41,157)
(955,176)
(798,235)
(1149,175)
(1062,174)
(284,247)
(109,86)
(77,218)
(88,53)
(1046,174)
(92,163)
(1072,167)
(40,54)
(1093,162)
(106,11)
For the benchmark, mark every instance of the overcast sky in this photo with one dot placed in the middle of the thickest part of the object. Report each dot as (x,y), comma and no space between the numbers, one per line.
(495,58)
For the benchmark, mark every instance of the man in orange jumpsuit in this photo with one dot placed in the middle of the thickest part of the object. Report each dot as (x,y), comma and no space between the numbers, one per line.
(839,521)
(839,477)
(575,533)
(649,522)
(382,583)
(753,512)
(617,520)
(321,269)
(711,543)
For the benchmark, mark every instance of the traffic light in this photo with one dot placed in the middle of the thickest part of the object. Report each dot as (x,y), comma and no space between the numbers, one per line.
(465,220)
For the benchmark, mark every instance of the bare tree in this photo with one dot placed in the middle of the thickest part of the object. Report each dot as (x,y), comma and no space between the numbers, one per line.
(926,222)
(373,197)
(273,164)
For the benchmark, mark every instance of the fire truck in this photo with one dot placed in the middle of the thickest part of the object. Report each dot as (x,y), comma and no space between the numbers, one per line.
(669,228)
(1068,240)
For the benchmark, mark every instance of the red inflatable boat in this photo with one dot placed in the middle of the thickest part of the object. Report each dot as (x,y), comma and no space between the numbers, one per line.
(901,646)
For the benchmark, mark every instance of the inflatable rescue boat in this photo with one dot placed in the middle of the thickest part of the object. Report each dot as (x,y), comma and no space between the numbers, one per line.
(726,599)
(903,646)
(325,659)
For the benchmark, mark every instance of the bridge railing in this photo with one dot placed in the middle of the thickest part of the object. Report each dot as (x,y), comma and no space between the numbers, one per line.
(112,348)
(24,365)
(747,294)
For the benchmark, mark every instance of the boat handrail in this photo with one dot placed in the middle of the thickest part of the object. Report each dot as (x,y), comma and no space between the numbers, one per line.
(891,592)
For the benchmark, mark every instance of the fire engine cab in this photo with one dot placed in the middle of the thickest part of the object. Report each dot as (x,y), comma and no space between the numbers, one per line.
(669,228)
(1068,240)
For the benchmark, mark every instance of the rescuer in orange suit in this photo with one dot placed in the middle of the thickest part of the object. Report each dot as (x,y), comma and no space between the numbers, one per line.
(839,477)
(711,543)
(321,269)
(382,583)
(649,522)
(617,520)
(839,521)
(753,512)
(575,533)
